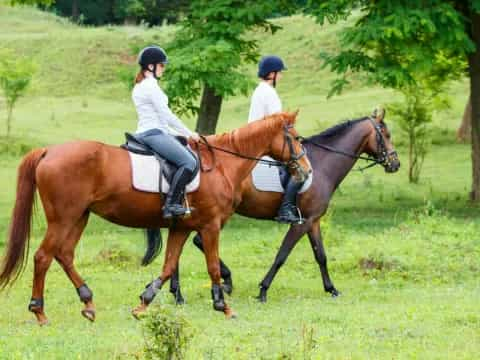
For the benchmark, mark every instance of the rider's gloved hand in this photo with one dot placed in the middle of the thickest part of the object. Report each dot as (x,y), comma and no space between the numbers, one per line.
(195,136)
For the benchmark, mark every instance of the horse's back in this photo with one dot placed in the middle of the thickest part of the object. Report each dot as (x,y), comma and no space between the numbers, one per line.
(81,167)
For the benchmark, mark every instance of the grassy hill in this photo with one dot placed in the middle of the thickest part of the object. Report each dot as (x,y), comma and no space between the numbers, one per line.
(404,256)
(77,81)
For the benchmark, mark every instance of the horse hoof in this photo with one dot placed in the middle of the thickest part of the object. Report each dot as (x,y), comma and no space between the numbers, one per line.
(262,298)
(89,314)
(44,322)
(41,319)
(139,312)
(179,301)
(230,314)
(335,293)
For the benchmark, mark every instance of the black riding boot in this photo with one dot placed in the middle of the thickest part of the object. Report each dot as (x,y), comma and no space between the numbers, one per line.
(174,200)
(288,212)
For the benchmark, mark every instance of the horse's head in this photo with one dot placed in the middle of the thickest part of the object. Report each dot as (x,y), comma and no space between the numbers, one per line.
(379,144)
(287,147)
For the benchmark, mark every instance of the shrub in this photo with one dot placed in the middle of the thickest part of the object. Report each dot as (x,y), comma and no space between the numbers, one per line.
(15,76)
(167,333)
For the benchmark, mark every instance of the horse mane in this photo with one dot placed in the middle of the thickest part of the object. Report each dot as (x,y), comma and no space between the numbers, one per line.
(259,132)
(335,130)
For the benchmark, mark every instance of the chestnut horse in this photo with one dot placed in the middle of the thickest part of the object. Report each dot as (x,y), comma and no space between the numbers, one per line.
(332,154)
(80,177)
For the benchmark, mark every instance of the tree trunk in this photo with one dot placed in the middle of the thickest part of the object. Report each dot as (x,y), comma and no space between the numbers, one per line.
(75,12)
(474,70)
(209,111)
(464,132)
(9,119)
(410,154)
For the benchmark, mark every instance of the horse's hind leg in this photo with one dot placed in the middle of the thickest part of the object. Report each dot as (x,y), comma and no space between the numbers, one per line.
(65,255)
(175,242)
(42,260)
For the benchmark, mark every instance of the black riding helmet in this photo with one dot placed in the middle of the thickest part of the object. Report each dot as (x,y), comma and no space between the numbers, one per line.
(152,55)
(269,64)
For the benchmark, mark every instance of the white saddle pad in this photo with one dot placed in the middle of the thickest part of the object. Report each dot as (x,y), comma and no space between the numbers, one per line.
(145,175)
(267,178)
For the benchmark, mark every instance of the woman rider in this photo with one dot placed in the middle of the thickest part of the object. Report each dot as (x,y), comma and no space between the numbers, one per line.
(155,121)
(264,102)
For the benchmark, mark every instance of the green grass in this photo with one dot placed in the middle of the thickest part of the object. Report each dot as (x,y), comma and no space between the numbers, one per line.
(404,256)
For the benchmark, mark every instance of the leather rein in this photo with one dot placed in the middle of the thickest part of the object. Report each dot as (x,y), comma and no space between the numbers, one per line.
(382,154)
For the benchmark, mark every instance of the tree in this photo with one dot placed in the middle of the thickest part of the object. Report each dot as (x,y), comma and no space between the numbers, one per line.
(15,76)
(421,99)
(93,12)
(208,51)
(391,41)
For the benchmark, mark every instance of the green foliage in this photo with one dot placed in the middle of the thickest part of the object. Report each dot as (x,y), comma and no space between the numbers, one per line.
(426,235)
(15,76)
(394,42)
(421,99)
(125,9)
(93,12)
(167,333)
(33,2)
(211,46)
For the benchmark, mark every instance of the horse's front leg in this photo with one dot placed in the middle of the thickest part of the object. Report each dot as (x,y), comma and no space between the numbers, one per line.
(175,242)
(315,236)
(289,241)
(210,235)
(225,272)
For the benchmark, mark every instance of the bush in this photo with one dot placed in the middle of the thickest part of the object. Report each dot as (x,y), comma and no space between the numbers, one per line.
(167,333)
(414,115)
(15,76)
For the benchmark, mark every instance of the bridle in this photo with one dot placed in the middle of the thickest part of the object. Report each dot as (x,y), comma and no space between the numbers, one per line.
(382,156)
(291,163)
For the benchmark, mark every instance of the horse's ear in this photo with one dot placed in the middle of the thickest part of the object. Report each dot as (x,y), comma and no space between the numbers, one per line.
(292,117)
(378,114)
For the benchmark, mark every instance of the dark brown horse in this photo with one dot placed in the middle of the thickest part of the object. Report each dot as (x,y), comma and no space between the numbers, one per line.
(80,177)
(332,154)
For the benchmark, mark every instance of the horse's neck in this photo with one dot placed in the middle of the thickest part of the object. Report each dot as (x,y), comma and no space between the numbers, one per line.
(246,142)
(337,166)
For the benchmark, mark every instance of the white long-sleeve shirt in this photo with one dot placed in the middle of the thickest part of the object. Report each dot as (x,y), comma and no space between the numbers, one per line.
(264,102)
(152,109)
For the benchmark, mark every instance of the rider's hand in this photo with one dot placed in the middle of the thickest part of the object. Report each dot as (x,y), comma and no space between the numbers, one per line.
(195,136)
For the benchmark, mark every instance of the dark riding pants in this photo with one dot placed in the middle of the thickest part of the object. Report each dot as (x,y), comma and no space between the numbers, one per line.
(169,148)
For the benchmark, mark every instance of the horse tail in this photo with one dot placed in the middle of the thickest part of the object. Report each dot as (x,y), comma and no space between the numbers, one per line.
(21,221)
(154,245)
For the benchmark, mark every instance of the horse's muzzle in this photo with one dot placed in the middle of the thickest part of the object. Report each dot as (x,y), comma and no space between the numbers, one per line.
(298,172)
(392,163)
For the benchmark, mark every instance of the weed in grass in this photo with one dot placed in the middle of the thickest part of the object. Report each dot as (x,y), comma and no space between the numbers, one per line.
(167,333)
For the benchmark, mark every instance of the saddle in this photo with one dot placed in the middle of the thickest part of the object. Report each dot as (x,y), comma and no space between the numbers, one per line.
(139,152)
(274,179)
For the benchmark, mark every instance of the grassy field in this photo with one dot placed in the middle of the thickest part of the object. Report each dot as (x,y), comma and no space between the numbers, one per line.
(405,257)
